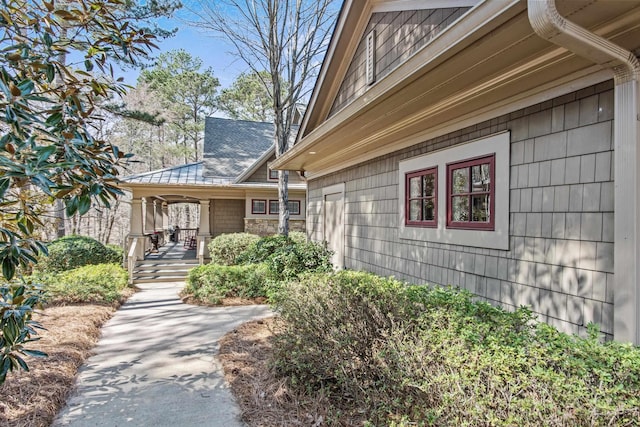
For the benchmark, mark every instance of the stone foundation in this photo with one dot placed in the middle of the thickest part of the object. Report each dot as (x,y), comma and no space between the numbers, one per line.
(268,227)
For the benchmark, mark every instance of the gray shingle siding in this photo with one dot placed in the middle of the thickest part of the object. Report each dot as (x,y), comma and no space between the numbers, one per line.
(560,261)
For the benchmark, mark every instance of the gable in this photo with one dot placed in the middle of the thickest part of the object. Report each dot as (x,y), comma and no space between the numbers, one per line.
(260,174)
(398,35)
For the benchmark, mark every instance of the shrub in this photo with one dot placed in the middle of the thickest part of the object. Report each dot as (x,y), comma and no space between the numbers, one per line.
(102,283)
(116,256)
(71,252)
(226,248)
(414,355)
(211,283)
(287,258)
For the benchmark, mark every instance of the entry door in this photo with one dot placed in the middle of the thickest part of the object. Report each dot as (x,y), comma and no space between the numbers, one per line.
(334,226)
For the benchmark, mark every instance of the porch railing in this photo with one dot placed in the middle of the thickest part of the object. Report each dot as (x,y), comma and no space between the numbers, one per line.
(132,258)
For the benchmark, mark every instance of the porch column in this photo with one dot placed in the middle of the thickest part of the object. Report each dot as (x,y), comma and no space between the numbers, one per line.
(204,232)
(158,217)
(135,221)
(165,216)
(149,226)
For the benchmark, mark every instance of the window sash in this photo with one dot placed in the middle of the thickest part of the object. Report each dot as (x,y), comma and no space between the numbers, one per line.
(424,200)
(258,206)
(272,175)
(294,207)
(464,196)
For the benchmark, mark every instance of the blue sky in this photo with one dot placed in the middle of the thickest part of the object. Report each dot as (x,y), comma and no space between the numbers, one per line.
(213,51)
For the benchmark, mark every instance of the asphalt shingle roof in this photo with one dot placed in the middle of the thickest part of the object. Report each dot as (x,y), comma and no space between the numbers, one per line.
(231,146)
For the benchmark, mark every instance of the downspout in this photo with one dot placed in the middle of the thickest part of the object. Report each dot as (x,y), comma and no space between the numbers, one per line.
(548,24)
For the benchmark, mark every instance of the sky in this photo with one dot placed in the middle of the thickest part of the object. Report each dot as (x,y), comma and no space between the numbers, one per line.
(213,51)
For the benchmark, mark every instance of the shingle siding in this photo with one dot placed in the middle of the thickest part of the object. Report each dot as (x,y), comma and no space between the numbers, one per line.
(398,36)
(560,260)
(227,216)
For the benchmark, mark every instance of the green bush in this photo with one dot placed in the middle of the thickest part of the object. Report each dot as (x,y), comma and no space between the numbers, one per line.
(226,248)
(116,256)
(102,283)
(71,252)
(211,283)
(288,257)
(412,355)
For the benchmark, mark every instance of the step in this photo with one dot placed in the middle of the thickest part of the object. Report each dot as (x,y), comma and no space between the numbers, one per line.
(165,266)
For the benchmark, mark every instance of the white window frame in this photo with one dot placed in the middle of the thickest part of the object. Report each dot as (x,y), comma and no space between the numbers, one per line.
(498,238)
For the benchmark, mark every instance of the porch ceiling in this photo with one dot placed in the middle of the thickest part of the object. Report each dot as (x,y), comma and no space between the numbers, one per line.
(490,58)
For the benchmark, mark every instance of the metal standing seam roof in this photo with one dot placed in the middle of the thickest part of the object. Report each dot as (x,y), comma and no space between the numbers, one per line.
(189,174)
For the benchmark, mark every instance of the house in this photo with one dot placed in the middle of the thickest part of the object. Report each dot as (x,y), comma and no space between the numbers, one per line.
(491,145)
(233,187)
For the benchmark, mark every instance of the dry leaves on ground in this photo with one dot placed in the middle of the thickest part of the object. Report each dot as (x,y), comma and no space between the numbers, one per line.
(264,399)
(33,398)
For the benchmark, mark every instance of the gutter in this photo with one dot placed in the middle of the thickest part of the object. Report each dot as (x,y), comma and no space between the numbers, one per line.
(551,26)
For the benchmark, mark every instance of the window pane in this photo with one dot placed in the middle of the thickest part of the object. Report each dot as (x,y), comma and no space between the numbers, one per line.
(259,206)
(274,206)
(294,207)
(480,208)
(481,178)
(414,210)
(460,178)
(428,182)
(429,211)
(414,187)
(460,209)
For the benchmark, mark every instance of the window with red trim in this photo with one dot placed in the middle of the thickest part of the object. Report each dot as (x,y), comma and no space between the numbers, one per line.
(258,207)
(272,174)
(471,193)
(422,198)
(294,207)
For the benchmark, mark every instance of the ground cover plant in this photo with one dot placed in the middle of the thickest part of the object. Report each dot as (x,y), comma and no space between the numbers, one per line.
(412,355)
(69,252)
(247,267)
(225,248)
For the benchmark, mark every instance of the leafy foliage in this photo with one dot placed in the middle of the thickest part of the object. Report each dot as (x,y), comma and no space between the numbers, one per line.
(211,283)
(47,146)
(17,326)
(288,257)
(413,355)
(225,248)
(247,98)
(96,284)
(71,252)
(186,90)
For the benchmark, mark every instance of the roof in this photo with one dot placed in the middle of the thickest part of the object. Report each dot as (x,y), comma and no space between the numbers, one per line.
(478,68)
(231,146)
(189,174)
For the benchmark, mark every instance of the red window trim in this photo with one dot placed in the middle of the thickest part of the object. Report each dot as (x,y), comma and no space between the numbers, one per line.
(269,170)
(468,163)
(429,223)
(296,202)
(253,211)
(274,213)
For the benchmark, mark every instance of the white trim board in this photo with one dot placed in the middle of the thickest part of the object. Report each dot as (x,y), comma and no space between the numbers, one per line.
(496,239)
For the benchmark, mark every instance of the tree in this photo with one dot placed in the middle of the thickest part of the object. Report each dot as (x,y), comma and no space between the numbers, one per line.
(47,144)
(248,98)
(189,93)
(283,37)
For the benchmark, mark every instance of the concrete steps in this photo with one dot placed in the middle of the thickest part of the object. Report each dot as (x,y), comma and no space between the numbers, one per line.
(162,270)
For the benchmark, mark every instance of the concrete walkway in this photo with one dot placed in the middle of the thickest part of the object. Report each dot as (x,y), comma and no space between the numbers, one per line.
(155,365)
